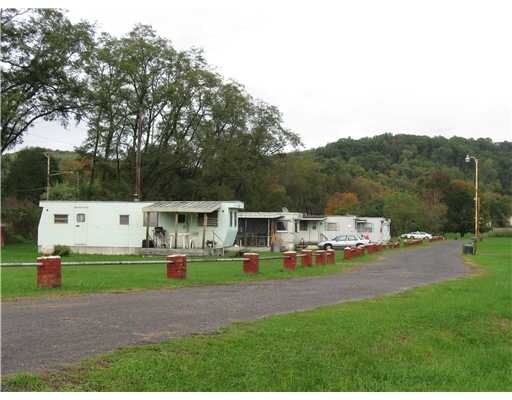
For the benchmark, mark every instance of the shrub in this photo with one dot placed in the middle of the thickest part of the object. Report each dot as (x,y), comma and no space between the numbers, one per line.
(13,238)
(61,250)
(21,222)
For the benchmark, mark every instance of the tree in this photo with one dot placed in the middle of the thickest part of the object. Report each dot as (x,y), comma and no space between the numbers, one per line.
(460,213)
(498,208)
(28,173)
(342,203)
(405,211)
(41,69)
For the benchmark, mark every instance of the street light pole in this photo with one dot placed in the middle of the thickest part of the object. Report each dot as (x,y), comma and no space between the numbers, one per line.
(468,159)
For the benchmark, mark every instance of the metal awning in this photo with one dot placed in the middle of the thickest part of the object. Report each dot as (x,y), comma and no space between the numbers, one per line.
(261,215)
(311,218)
(183,206)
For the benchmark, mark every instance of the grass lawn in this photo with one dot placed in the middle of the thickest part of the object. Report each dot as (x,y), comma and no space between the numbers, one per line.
(450,336)
(21,281)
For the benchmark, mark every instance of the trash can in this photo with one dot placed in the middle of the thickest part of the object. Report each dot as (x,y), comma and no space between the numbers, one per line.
(467,249)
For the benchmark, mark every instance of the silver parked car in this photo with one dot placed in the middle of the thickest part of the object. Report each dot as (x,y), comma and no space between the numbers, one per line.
(416,235)
(343,241)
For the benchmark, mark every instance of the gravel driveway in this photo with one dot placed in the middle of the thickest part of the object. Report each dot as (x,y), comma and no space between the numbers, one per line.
(48,333)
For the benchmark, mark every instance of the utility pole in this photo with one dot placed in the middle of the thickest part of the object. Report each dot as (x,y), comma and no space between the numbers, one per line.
(77,185)
(477,230)
(47,176)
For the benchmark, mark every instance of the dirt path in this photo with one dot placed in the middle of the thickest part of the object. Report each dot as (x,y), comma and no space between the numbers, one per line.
(48,333)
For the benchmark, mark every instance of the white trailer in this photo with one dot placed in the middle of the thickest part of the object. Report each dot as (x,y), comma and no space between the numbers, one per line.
(113,227)
(281,228)
(376,229)
(287,229)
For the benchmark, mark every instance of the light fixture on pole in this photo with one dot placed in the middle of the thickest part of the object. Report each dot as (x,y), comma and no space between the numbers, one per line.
(468,159)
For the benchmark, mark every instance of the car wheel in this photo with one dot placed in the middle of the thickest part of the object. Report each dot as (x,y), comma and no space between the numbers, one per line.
(328,247)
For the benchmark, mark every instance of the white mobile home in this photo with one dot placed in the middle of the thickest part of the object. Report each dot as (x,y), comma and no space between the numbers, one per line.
(262,229)
(376,229)
(111,227)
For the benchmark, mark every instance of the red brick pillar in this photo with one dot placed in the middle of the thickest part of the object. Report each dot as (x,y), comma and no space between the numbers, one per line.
(290,260)
(330,256)
(347,253)
(252,264)
(307,258)
(177,266)
(320,257)
(49,273)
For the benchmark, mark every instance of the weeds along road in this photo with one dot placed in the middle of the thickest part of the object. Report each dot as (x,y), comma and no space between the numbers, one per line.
(51,332)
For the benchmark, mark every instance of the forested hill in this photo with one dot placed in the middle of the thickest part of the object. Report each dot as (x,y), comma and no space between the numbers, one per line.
(397,160)
(418,181)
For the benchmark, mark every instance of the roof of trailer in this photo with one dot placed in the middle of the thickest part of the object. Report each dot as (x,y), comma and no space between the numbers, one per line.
(260,214)
(184,206)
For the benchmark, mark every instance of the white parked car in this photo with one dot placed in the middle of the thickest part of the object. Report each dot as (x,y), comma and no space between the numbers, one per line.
(416,235)
(343,241)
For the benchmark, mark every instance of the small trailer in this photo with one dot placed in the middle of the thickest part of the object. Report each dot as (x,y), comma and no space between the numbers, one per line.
(277,229)
(375,229)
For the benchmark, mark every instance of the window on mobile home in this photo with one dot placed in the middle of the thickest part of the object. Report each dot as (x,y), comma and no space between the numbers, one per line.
(80,217)
(303,226)
(212,219)
(332,226)
(60,218)
(282,226)
(364,227)
(233,218)
(124,220)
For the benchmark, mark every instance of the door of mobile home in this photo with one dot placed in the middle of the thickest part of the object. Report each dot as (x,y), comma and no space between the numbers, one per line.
(81,219)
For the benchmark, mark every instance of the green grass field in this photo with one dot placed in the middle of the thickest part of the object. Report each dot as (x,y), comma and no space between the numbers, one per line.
(21,281)
(450,336)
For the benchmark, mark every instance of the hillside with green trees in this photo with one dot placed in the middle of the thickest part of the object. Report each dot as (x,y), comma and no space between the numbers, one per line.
(164,124)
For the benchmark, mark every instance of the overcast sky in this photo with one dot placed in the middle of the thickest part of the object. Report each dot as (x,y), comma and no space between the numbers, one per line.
(340,69)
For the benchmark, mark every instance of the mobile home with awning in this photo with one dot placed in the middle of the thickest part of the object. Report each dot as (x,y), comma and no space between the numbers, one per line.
(288,229)
(112,227)
(283,228)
